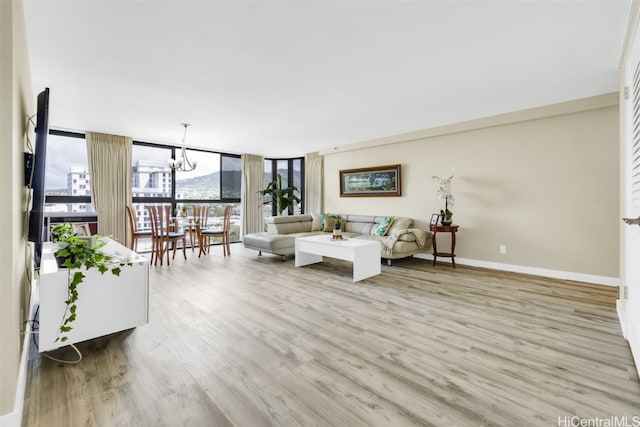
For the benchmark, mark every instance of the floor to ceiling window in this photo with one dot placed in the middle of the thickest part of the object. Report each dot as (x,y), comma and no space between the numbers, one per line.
(216,182)
(292,171)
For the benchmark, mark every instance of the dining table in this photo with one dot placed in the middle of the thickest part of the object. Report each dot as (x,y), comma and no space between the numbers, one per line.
(187,224)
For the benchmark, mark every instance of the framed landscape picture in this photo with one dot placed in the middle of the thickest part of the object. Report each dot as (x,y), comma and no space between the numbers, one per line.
(373,182)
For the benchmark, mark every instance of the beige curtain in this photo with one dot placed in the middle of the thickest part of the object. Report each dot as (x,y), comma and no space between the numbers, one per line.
(110,169)
(252,182)
(313,183)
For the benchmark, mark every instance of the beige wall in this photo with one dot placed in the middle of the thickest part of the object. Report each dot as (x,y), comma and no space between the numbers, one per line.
(16,103)
(543,182)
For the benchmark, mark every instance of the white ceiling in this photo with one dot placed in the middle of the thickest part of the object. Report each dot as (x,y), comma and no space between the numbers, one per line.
(284,78)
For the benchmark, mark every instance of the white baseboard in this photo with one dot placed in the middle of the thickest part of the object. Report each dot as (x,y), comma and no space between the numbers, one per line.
(14,418)
(556,274)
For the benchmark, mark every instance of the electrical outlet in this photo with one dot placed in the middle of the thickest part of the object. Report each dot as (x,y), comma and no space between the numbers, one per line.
(503,249)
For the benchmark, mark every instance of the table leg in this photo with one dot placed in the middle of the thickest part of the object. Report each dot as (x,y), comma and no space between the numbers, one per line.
(453,249)
(435,247)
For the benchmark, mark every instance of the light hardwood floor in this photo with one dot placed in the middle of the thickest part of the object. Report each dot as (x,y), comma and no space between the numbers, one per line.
(252,341)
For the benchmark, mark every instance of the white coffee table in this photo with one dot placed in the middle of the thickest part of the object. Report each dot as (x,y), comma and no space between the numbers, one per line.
(364,254)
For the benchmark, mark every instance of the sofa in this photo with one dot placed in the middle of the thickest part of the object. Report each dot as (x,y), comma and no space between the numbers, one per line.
(398,239)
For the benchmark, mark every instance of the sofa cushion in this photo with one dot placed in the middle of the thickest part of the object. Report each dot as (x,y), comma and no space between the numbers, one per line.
(289,218)
(289,228)
(358,224)
(269,242)
(289,224)
(358,227)
(361,218)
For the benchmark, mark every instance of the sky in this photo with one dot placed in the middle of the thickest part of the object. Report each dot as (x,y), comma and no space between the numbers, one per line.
(64,152)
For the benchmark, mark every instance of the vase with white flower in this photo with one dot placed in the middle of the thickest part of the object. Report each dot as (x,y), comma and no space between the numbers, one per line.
(444,193)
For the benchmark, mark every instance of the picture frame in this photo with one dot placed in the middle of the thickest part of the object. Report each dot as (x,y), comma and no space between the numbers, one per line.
(434,219)
(378,181)
(81,229)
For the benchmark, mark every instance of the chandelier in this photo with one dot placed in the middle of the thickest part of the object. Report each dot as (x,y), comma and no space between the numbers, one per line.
(182,163)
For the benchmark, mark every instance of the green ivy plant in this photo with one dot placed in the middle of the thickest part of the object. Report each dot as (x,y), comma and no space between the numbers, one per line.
(77,254)
(284,198)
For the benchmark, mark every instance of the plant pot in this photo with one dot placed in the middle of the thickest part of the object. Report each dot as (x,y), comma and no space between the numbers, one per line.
(446,222)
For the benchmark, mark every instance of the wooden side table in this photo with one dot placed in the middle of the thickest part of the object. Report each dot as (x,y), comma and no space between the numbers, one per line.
(435,229)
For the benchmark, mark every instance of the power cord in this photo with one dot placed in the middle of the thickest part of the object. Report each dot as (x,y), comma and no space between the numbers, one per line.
(25,223)
(34,329)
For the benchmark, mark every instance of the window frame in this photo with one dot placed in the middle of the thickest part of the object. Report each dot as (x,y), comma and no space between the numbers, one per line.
(274,175)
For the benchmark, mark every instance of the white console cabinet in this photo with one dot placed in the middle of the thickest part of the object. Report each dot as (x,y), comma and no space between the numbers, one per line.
(106,303)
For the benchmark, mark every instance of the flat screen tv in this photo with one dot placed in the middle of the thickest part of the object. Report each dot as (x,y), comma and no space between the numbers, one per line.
(36,216)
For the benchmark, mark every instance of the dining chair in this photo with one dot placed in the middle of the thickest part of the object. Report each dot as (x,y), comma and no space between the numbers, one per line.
(134,233)
(207,233)
(163,233)
(200,217)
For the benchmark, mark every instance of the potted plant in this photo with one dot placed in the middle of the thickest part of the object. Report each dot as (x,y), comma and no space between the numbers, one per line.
(184,210)
(445,193)
(76,255)
(337,230)
(283,198)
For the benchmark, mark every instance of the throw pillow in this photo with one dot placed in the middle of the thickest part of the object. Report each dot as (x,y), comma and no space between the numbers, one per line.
(327,221)
(330,224)
(384,225)
(315,222)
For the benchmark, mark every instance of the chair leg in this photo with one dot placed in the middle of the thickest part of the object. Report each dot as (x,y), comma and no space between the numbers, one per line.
(153,250)
(158,252)
(201,246)
(184,247)
(160,249)
(225,246)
